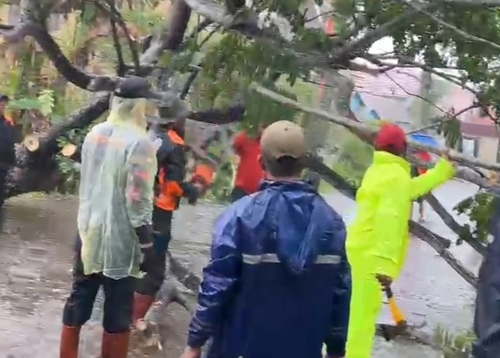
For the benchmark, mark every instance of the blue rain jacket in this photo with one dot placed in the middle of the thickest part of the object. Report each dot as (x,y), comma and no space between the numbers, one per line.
(487,313)
(278,283)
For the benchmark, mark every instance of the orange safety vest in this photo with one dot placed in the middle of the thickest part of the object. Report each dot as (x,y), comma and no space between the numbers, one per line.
(204,174)
(169,191)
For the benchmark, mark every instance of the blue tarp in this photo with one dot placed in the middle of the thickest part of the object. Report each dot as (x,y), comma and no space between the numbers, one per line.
(425,139)
(357,105)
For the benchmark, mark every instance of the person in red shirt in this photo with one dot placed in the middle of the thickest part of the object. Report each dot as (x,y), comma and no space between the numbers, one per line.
(415,172)
(249,173)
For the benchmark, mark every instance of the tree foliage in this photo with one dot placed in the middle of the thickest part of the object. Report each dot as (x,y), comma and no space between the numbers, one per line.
(61,58)
(58,72)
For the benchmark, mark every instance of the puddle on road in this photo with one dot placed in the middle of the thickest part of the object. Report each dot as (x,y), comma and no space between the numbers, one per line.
(35,260)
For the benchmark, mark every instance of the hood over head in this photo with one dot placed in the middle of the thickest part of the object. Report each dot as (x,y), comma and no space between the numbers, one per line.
(298,223)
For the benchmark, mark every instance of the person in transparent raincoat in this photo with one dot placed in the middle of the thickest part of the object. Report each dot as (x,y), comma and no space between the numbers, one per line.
(114,241)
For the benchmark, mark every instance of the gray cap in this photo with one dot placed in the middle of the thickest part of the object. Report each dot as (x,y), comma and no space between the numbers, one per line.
(135,87)
(170,105)
(283,139)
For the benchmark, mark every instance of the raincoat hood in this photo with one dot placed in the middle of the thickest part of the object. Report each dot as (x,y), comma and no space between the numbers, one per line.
(278,268)
(293,219)
(128,112)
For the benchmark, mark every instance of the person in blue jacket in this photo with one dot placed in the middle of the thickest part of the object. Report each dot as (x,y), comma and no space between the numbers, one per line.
(278,283)
(487,313)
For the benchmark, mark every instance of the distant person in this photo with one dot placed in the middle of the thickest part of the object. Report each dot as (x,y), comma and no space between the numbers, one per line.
(115,234)
(415,172)
(171,187)
(377,237)
(249,173)
(7,151)
(487,313)
(278,282)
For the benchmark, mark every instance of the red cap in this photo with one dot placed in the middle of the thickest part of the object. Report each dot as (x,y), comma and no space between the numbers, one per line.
(391,138)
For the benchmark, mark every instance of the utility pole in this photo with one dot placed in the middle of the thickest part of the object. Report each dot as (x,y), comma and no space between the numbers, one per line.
(425,112)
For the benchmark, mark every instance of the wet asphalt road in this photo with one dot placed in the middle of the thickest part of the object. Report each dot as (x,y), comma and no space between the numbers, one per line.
(35,260)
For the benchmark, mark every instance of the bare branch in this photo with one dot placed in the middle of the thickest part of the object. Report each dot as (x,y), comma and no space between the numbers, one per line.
(372,36)
(116,16)
(363,131)
(74,75)
(450,221)
(172,35)
(414,94)
(435,241)
(121,67)
(408,62)
(439,121)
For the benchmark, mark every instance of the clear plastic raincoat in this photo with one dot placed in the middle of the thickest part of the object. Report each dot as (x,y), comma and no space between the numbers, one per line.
(377,238)
(116,190)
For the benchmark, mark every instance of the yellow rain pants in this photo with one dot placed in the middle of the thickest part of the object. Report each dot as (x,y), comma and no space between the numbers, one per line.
(377,238)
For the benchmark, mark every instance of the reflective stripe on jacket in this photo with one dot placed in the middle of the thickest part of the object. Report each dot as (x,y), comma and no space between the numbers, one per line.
(378,236)
(278,283)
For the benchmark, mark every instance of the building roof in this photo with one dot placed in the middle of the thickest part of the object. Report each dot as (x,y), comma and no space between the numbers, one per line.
(389,93)
(488,130)
(383,92)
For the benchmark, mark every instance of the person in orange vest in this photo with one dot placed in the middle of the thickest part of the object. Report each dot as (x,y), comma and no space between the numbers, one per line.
(7,150)
(170,188)
(415,172)
(249,173)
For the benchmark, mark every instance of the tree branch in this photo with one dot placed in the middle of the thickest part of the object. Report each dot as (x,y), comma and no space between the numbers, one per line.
(372,36)
(100,104)
(442,120)
(245,23)
(217,116)
(450,221)
(363,131)
(74,75)
(453,28)
(121,67)
(116,16)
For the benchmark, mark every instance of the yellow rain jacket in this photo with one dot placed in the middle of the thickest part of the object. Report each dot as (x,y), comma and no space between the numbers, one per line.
(377,239)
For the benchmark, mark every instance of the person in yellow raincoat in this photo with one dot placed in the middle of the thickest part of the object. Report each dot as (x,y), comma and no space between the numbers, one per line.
(377,238)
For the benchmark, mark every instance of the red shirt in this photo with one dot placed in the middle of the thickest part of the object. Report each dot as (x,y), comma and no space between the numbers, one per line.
(425,157)
(249,173)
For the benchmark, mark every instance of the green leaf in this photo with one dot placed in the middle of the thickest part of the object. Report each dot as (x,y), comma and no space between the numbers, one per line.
(25,103)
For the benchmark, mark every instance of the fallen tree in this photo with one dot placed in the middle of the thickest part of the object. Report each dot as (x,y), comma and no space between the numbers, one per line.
(253,69)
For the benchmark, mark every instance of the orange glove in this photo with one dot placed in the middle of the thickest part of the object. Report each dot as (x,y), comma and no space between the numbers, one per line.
(203,175)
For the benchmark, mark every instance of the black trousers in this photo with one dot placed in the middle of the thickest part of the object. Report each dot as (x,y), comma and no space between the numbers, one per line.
(151,283)
(237,194)
(3,192)
(118,298)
